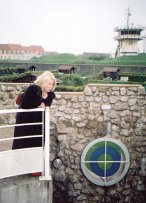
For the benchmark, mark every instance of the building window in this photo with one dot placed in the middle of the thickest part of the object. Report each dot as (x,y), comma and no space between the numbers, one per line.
(130,42)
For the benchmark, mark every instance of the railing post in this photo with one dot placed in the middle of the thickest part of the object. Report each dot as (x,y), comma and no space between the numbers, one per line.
(47,171)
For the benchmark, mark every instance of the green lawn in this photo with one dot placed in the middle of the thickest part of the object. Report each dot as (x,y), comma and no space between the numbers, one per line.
(73,59)
(139,60)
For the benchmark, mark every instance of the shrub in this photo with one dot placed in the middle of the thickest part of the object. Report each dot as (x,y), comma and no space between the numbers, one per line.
(64,88)
(72,80)
(4,71)
(135,77)
(8,78)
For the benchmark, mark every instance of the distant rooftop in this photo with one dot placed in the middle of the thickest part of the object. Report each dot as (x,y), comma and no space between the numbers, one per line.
(18,47)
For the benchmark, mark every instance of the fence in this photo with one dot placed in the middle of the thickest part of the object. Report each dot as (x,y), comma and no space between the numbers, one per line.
(27,160)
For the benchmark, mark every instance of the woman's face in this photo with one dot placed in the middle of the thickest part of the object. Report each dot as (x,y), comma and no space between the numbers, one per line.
(48,86)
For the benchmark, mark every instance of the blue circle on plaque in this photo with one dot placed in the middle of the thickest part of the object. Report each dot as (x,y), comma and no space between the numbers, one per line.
(105,161)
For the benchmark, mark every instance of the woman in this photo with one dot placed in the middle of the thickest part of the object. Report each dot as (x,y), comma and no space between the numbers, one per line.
(38,95)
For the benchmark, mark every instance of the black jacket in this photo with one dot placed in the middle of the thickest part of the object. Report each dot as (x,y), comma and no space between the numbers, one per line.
(32,98)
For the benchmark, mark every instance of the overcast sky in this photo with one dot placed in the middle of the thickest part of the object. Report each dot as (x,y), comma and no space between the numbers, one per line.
(73,26)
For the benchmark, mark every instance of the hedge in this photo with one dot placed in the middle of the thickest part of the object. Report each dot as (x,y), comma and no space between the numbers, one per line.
(135,77)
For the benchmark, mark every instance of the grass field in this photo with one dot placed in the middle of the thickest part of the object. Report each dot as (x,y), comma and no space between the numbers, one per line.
(139,60)
(73,59)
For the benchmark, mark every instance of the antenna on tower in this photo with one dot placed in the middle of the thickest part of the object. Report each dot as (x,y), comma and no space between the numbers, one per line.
(128,13)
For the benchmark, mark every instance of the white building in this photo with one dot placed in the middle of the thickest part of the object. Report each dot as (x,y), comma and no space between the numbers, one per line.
(18,52)
(128,38)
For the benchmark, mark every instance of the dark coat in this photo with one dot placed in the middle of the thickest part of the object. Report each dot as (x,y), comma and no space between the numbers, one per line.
(32,98)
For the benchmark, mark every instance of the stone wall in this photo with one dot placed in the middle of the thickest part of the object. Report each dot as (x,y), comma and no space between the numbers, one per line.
(116,111)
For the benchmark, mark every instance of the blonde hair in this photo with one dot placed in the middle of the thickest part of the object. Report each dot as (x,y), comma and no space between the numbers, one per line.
(44,78)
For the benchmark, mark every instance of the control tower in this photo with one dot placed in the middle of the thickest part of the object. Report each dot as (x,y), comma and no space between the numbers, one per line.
(128,38)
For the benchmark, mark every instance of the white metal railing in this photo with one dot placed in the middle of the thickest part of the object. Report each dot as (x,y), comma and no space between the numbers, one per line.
(27,160)
(131,27)
(128,36)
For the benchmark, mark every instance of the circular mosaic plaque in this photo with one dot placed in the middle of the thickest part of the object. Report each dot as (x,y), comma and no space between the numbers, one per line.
(105,161)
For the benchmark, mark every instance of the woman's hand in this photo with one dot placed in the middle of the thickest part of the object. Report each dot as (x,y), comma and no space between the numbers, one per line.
(42,105)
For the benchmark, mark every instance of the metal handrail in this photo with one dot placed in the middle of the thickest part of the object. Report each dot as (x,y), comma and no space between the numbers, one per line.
(24,124)
(20,110)
(17,138)
(46,132)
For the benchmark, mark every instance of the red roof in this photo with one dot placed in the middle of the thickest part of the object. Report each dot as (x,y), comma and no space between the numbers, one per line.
(17,47)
